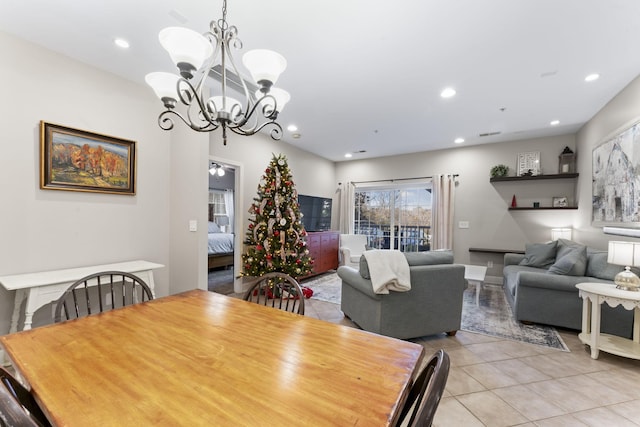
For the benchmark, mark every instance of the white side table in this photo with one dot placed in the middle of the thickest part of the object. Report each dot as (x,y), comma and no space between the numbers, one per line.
(593,295)
(474,275)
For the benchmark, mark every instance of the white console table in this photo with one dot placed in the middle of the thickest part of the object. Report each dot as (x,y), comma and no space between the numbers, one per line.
(44,287)
(593,296)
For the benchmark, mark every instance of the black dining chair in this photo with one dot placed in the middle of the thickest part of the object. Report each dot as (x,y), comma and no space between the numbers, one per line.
(426,392)
(101,292)
(18,408)
(277,290)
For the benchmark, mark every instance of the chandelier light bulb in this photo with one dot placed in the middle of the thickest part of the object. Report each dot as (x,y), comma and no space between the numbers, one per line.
(165,86)
(280,95)
(265,66)
(187,49)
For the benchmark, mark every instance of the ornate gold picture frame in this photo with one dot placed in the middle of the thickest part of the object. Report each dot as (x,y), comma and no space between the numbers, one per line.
(78,160)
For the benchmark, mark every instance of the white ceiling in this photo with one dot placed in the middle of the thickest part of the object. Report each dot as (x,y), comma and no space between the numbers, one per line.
(366,74)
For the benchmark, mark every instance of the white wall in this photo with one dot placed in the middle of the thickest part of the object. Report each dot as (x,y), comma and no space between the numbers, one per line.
(42,229)
(621,111)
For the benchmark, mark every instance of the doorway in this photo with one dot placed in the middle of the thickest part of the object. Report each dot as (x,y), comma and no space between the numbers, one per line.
(223,226)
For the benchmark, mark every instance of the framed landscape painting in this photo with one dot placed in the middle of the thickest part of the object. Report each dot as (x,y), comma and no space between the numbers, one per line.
(78,160)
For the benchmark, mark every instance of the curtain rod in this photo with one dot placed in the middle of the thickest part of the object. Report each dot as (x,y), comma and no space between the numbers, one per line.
(455,175)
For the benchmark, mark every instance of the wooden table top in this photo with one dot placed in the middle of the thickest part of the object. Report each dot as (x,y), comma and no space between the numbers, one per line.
(200,358)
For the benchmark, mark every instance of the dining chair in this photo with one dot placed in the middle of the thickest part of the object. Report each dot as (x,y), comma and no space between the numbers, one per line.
(100,292)
(426,391)
(18,408)
(277,290)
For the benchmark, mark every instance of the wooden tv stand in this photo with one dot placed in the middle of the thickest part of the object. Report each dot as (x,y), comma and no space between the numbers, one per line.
(323,247)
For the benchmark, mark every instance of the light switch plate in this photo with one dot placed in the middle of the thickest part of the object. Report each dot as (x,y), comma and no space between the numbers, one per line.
(463,224)
(193,225)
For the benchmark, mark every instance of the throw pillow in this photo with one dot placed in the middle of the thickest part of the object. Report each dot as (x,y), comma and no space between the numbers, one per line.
(570,260)
(364,268)
(540,255)
(597,265)
(213,228)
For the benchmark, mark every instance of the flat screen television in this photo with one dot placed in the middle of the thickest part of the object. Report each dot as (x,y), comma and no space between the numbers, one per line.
(316,212)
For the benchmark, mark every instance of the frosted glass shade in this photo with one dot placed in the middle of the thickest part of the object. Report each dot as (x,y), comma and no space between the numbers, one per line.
(229,106)
(163,84)
(185,46)
(561,233)
(264,65)
(281,96)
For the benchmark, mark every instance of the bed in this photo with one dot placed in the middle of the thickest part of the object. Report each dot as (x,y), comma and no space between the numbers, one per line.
(220,247)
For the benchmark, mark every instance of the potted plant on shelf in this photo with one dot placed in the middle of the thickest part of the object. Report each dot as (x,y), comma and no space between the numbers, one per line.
(499,171)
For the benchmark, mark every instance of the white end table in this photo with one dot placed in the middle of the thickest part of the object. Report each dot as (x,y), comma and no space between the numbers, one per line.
(593,295)
(475,274)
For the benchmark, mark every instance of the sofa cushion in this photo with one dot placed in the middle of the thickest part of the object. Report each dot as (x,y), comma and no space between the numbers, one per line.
(570,260)
(436,257)
(540,255)
(597,265)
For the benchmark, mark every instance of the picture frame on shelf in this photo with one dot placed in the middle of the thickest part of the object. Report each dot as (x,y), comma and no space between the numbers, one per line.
(79,160)
(560,202)
(528,163)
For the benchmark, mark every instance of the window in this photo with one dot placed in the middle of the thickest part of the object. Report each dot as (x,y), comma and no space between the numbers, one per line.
(395,217)
(217,206)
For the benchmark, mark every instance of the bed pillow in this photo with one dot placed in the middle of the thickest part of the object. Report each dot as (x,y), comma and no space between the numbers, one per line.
(540,255)
(214,228)
(571,259)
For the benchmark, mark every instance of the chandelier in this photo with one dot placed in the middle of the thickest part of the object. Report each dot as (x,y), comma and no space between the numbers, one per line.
(196,57)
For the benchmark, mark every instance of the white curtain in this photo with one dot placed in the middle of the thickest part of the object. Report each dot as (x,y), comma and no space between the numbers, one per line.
(347,191)
(443,195)
(228,203)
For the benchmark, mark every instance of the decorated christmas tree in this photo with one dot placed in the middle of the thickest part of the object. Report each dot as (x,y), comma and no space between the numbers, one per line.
(276,236)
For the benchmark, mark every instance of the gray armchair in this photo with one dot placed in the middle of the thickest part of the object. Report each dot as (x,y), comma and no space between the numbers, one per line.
(432,306)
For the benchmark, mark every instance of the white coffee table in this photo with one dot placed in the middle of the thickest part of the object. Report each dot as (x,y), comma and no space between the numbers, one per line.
(593,295)
(475,274)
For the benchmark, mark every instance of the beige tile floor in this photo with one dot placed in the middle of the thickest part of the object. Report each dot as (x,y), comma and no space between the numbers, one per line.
(496,382)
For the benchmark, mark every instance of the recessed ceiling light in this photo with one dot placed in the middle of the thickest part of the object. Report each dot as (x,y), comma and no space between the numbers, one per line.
(592,77)
(458,140)
(448,92)
(121,43)
(554,122)
(292,128)
(348,155)
(296,136)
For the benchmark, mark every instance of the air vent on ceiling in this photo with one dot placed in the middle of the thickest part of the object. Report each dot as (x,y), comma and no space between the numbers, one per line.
(233,80)
(490,133)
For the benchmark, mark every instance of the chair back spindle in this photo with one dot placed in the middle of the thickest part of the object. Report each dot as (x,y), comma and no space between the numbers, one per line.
(101,292)
(277,290)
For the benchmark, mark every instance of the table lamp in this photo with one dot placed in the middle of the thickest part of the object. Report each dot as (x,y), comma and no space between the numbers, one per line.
(627,254)
(561,233)
(222,221)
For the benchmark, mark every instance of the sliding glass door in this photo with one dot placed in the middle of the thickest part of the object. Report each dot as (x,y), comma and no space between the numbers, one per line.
(395,216)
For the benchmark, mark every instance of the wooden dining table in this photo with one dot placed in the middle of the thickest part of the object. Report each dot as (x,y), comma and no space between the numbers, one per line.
(203,359)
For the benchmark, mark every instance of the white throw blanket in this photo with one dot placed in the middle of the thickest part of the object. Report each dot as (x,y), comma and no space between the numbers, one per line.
(389,270)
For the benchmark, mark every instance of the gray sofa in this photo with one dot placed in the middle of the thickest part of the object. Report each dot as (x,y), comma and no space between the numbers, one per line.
(432,306)
(541,285)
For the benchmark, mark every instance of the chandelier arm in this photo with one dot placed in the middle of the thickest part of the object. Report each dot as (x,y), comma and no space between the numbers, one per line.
(275,133)
(166,122)
(231,40)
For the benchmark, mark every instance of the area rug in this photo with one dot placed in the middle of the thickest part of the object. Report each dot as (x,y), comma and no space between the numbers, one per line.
(492,316)
(326,287)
